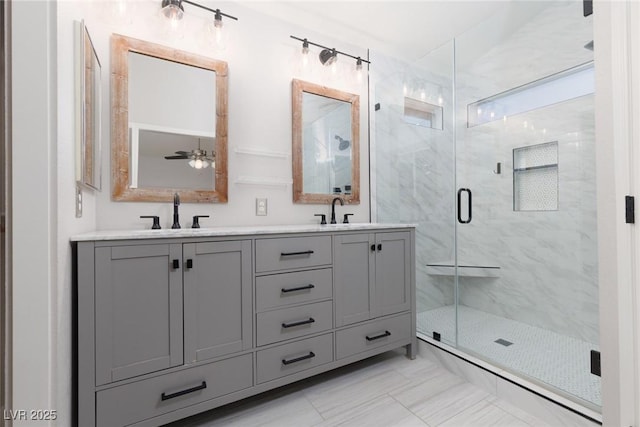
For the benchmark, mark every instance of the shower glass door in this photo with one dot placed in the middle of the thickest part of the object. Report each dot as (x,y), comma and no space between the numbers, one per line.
(527,290)
(413,160)
(487,144)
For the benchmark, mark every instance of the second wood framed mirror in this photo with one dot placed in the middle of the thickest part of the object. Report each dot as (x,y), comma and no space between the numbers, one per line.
(168,124)
(326,149)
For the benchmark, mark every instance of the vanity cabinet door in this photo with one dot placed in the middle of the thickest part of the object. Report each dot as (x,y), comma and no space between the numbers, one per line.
(138,314)
(393,273)
(217,299)
(354,273)
(372,275)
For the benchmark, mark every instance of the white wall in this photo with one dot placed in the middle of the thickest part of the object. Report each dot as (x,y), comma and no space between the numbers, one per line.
(262,60)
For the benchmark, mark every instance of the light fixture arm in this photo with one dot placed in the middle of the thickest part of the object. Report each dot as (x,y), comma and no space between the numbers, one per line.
(216,11)
(335,51)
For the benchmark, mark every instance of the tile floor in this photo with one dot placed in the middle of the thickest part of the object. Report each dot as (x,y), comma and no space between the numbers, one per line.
(386,390)
(555,359)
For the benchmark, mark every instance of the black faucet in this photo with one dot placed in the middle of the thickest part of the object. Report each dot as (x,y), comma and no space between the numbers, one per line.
(333,208)
(176,216)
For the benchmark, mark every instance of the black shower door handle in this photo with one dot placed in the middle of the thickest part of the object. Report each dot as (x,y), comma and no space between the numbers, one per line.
(468,220)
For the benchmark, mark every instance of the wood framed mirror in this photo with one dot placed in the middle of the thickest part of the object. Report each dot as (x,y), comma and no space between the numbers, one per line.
(326,149)
(88,111)
(168,124)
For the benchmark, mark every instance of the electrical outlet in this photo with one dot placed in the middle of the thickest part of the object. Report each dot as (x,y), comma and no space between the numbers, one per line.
(261,206)
(78,202)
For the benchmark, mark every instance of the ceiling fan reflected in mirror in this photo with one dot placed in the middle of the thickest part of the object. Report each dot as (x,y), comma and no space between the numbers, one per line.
(198,159)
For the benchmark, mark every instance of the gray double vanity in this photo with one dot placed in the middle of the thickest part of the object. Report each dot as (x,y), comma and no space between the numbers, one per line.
(171,323)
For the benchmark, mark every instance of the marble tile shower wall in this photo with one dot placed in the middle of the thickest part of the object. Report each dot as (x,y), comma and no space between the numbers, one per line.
(548,259)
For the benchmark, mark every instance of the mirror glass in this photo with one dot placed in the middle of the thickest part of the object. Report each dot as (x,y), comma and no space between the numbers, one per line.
(172,135)
(169,122)
(88,149)
(325,139)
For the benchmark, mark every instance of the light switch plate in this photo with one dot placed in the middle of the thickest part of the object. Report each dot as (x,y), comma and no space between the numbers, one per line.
(78,202)
(261,206)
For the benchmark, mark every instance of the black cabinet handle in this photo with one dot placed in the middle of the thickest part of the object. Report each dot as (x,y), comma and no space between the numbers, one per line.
(298,359)
(299,288)
(379,246)
(176,264)
(183,392)
(460,220)
(300,323)
(373,247)
(295,253)
(377,337)
(189,263)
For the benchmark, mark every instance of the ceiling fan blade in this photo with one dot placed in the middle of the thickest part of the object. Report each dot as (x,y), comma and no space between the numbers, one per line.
(184,153)
(175,157)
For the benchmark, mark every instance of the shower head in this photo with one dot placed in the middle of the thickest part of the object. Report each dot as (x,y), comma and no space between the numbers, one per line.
(589,46)
(344,144)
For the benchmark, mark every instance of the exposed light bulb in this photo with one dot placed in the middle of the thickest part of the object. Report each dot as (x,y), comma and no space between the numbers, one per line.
(359,73)
(172,9)
(205,164)
(404,89)
(218,33)
(192,163)
(334,66)
(440,100)
(198,164)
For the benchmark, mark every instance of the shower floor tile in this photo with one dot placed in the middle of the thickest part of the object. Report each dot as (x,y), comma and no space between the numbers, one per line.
(557,360)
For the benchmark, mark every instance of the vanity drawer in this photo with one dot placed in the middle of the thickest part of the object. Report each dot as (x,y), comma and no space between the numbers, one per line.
(280,325)
(290,358)
(141,400)
(292,252)
(371,335)
(292,288)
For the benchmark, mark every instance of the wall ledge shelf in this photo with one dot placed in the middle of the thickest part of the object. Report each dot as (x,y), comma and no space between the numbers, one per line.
(447,268)
(258,180)
(261,152)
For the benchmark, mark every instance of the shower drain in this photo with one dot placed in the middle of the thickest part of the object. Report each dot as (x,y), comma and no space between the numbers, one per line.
(503,342)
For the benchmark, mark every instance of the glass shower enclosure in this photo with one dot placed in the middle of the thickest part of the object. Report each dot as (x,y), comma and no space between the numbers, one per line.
(487,144)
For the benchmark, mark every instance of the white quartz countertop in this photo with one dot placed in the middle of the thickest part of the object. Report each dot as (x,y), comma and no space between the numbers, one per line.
(230,231)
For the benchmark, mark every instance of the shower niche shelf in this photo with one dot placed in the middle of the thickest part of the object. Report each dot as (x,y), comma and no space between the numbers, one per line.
(447,268)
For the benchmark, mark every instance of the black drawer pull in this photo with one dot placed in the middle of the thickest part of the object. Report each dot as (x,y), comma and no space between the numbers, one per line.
(296,253)
(299,288)
(298,359)
(379,246)
(373,247)
(189,263)
(377,337)
(176,264)
(300,323)
(183,392)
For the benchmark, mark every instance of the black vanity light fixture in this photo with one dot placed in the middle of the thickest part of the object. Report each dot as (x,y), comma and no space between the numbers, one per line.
(329,55)
(174,10)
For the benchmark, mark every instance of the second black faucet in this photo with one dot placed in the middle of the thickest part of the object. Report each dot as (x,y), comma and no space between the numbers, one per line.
(333,208)
(176,216)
